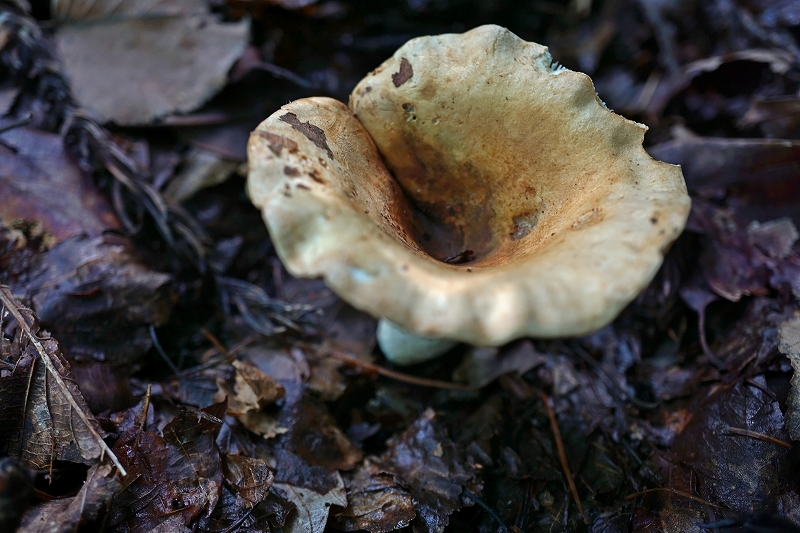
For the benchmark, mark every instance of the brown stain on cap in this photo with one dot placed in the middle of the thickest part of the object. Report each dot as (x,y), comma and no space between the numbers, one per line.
(404,74)
(313,133)
(277,142)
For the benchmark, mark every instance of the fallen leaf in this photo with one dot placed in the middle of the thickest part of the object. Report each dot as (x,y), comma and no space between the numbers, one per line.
(776,116)
(741,260)
(709,161)
(732,445)
(249,478)
(39,182)
(173,479)
(312,507)
(65,10)
(254,389)
(43,413)
(246,501)
(84,279)
(789,344)
(315,437)
(481,366)
(98,298)
(64,515)
(252,392)
(159,58)
(775,238)
(201,169)
(16,488)
(429,464)
(375,501)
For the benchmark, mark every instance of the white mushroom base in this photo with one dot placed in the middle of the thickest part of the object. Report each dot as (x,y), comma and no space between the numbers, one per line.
(404,348)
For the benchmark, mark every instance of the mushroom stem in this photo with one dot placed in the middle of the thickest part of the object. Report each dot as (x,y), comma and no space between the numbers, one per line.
(404,348)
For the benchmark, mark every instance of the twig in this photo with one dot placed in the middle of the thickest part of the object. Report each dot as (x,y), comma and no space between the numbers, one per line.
(716,361)
(483,505)
(214,341)
(162,353)
(676,492)
(238,523)
(146,406)
(763,389)
(562,455)
(45,358)
(236,348)
(18,123)
(588,359)
(756,435)
(400,376)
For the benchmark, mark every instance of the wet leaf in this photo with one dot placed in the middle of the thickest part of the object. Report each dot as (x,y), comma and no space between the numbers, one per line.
(30,176)
(789,339)
(375,501)
(43,413)
(733,444)
(315,437)
(246,498)
(96,296)
(83,280)
(312,507)
(65,515)
(741,260)
(481,366)
(253,388)
(708,161)
(777,116)
(173,479)
(249,478)
(428,462)
(16,488)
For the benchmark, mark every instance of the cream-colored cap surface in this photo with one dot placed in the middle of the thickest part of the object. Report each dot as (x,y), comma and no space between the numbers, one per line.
(473,191)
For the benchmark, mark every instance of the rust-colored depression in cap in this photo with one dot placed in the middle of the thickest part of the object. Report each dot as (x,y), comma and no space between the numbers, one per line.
(472,191)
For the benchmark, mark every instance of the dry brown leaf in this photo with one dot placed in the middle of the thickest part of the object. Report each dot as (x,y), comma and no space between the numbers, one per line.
(43,413)
(253,390)
(312,507)
(250,479)
(156,60)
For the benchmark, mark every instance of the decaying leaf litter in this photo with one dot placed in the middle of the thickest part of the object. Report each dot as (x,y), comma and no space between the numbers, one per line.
(238,398)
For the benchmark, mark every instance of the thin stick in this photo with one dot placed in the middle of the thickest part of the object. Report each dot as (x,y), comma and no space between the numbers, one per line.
(236,348)
(400,376)
(757,435)
(162,353)
(210,337)
(673,491)
(562,455)
(24,121)
(146,406)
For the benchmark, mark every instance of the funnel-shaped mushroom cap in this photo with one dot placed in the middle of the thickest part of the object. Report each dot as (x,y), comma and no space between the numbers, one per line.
(479,193)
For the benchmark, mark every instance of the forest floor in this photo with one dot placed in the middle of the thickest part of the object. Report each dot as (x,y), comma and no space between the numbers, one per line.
(148,327)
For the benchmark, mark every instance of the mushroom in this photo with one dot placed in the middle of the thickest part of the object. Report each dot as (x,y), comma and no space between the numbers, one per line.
(473,191)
